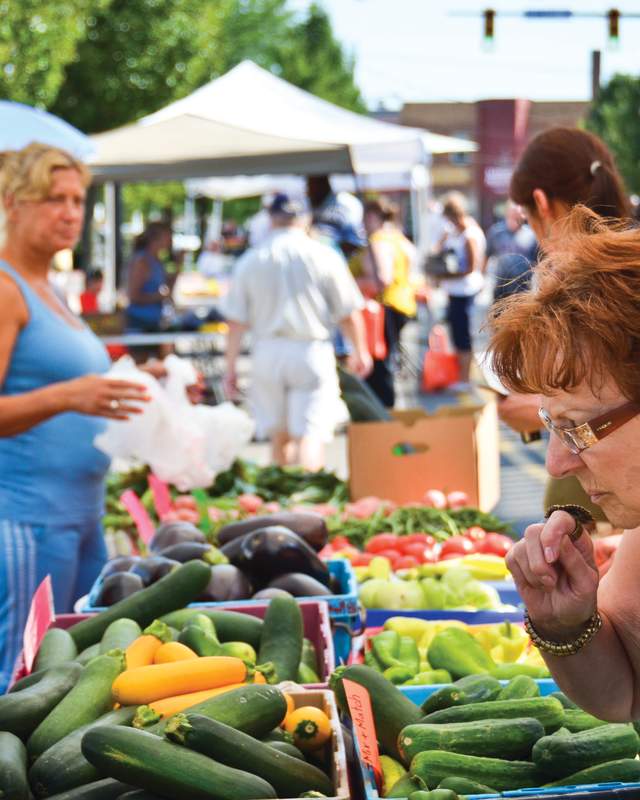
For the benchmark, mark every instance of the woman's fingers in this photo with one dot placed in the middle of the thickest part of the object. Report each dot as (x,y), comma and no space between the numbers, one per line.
(559,525)
(582,576)
(542,573)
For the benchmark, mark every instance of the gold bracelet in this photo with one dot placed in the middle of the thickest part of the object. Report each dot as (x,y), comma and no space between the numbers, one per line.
(561,648)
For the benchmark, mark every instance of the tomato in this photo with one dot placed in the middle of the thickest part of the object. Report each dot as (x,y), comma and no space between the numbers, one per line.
(495,544)
(339,541)
(457,500)
(382,541)
(362,559)
(271,508)
(451,556)
(423,538)
(185,501)
(391,555)
(434,498)
(475,533)
(249,503)
(431,555)
(416,549)
(458,545)
(407,562)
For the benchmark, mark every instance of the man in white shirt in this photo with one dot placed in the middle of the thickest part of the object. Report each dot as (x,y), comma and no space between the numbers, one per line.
(290,293)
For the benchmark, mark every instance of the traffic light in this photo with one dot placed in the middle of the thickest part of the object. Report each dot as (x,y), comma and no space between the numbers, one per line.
(489,20)
(613,16)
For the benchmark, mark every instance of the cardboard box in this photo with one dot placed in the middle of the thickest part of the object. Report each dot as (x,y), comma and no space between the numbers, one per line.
(456,448)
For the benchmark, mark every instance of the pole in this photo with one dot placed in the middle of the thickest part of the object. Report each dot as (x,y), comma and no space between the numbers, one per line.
(595,74)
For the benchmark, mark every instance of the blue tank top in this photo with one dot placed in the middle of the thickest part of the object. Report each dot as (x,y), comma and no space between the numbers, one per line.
(52,472)
(148,316)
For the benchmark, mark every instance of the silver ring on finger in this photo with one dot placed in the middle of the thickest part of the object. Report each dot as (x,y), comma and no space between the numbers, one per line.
(114,405)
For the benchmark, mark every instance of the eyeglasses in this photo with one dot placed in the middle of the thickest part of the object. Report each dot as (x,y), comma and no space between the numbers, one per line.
(589,433)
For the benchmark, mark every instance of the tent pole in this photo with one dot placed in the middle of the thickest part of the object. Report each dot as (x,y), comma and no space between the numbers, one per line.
(110,246)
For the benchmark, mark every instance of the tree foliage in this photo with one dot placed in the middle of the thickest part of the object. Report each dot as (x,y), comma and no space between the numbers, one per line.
(615,116)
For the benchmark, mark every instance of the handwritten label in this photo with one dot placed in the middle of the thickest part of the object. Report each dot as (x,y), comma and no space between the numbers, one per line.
(142,520)
(364,728)
(41,615)
(161,496)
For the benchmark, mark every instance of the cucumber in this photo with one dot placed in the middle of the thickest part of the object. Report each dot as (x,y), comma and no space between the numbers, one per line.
(119,635)
(558,756)
(479,688)
(176,589)
(13,768)
(288,748)
(392,711)
(465,786)
(495,738)
(88,654)
(288,775)
(519,688)
(281,641)
(277,735)
(30,680)
(433,766)
(575,720)
(446,697)
(167,769)
(89,699)
(56,647)
(255,709)
(139,794)
(105,789)
(309,655)
(21,712)
(545,709)
(562,697)
(624,769)
(434,794)
(306,674)
(198,640)
(404,786)
(62,766)
(231,626)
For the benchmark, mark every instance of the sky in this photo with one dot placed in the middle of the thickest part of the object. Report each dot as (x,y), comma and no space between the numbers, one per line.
(418,51)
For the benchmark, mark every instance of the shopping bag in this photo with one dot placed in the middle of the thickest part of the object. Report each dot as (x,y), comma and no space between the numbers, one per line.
(373,315)
(440,367)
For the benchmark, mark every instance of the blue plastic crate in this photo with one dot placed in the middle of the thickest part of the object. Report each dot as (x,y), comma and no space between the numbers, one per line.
(418,694)
(343,608)
(376,617)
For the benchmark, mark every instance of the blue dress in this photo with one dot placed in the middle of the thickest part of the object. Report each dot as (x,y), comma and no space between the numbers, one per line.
(51,476)
(147,317)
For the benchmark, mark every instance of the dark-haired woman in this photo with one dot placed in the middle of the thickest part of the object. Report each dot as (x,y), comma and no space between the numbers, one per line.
(561,168)
(148,285)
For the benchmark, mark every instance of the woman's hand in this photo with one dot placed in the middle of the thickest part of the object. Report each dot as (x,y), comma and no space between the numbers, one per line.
(557,578)
(103,397)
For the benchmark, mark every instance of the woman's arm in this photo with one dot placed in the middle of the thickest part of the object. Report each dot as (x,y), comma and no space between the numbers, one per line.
(138,275)
(520,411)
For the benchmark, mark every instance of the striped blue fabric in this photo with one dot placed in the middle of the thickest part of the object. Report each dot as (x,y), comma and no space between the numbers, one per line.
(17,585)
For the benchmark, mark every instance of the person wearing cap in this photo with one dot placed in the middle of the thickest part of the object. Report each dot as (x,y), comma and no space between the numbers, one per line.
(290,293)
(574,341)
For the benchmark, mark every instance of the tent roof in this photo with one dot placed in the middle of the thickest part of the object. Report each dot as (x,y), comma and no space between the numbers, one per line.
(251,122)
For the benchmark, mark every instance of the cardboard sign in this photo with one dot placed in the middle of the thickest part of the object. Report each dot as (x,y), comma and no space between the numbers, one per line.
(364,728)
(142,520)
(161,496)
(41,615)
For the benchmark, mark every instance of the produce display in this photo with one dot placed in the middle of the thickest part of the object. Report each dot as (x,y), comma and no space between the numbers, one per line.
(481,735)
(416,652)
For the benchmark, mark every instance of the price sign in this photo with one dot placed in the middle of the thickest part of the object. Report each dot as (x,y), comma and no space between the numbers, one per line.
(41,615)
(161,496)
(142,520)
(364,728)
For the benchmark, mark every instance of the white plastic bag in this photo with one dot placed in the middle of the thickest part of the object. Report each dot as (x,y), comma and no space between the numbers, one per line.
(183,444)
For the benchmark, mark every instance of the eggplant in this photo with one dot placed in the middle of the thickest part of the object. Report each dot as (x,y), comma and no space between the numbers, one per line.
(118,564)
(188,551)
(265,554)
(227,583)
(269,593)
(153,568)
(169,533)
(299,585)
(118,586)
(309,526)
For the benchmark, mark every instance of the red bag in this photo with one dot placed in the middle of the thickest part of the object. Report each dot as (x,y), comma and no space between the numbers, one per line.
(440,368)
(373,315)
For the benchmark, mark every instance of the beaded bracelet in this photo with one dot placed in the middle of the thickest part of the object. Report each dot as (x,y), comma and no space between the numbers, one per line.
(561,648)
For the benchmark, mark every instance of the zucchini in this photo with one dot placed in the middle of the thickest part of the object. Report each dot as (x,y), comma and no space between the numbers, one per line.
(392,711)
(281,641)
(575,720)
(288,748)
(404,786)
(88,654)
(105,789)
(495,738)
(56,647)
(519,688)
(165,768)
(176,589)
(255,709)
(22,711)
(562,697)
(139,794)
(62,766)
(465,786)
(624,769)
(287,774)
(558,756)
(198,640)
(13,768)
(89,699)
(231,626)
(309,655)
(28,680)
(306,674)
(545,709)
(433,766)
(119,635)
